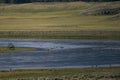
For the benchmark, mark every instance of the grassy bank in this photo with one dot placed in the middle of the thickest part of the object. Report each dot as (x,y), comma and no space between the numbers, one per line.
(6,50)
(110,73)
(62,34)
(58,17)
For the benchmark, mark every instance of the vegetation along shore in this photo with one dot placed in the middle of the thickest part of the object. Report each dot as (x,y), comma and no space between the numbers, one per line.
(62,34)
(17,49)
(103,73)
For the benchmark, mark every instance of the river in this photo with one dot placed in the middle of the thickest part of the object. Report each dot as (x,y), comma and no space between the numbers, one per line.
(61,53)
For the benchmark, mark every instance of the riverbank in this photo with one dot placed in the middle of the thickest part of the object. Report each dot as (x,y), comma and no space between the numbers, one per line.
(103,73)
(112,35)
(17,49)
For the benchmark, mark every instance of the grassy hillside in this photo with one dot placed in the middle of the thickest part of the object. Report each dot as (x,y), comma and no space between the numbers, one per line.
(110,73)
(67,16)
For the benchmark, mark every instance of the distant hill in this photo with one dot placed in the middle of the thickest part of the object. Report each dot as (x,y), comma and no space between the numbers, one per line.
(30,1)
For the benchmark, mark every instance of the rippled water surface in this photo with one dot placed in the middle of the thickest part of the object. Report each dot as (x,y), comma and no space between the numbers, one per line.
(56,53)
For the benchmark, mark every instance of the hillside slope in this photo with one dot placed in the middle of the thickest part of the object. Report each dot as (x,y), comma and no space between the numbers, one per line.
(66,19)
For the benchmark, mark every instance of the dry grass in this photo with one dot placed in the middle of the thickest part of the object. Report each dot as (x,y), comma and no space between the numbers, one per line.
(49,23)
(46,6)
(55,17)
(52,16)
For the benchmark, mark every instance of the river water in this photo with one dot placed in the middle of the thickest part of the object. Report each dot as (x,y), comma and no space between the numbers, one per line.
(60,53)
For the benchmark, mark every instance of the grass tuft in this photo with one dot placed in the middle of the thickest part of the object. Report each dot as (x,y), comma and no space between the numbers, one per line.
(6,50)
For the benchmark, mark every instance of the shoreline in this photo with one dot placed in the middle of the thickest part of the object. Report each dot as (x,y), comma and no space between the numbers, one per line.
(65,67)
(113,35)
(102,73)
(4,50)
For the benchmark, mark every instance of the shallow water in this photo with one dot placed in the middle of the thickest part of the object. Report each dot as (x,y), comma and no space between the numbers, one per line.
(56,53)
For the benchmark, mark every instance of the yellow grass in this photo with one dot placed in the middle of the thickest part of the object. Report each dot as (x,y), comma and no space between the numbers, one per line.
(52,16)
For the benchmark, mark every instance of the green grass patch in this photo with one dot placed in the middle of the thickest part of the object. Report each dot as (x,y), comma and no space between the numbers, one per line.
(7,50)
(61,34)
(110,73)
